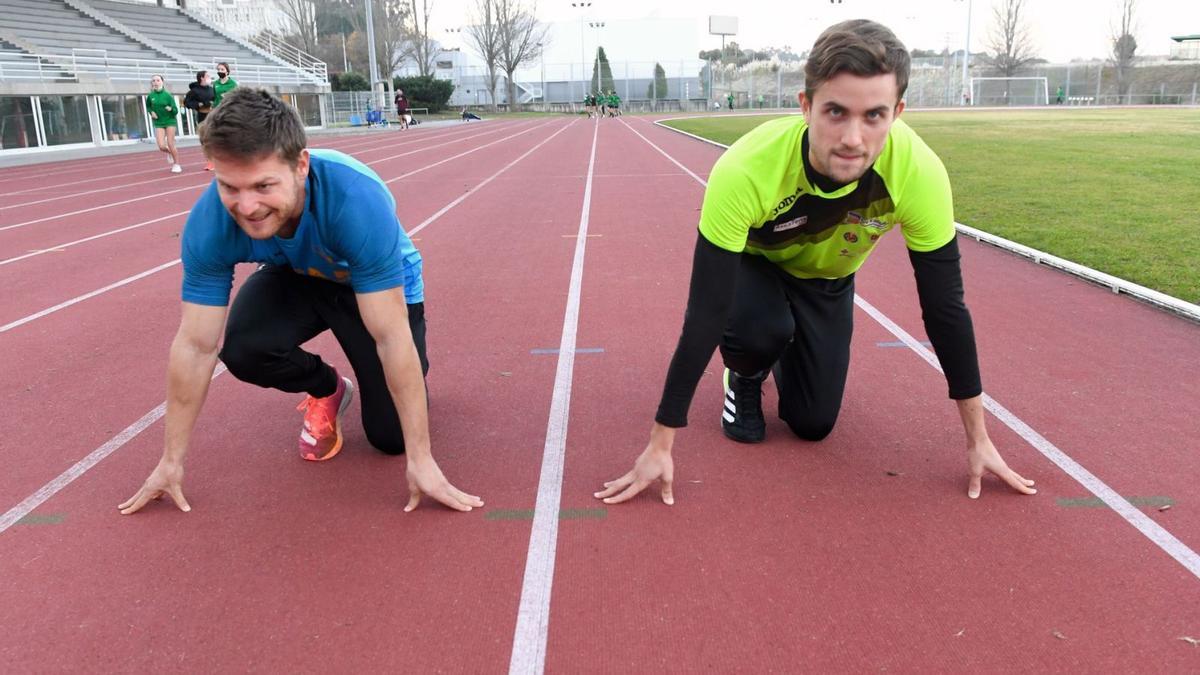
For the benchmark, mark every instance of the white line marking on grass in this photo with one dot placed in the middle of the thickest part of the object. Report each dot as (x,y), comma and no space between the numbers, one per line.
(487,180)
(464,154)
(59,247)
(73,301)
(1152,530)
(81,467)
(533,616)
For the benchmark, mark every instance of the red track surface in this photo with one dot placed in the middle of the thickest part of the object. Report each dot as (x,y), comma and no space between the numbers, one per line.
(786,556)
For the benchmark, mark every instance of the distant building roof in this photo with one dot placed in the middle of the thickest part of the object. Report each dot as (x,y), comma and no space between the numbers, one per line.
(1186,38)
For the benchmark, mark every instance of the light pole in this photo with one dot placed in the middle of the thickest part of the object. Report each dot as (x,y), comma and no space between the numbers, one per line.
(542,54)
(373,66)
(455,33)
(582,7)
(966,56)
(597,25)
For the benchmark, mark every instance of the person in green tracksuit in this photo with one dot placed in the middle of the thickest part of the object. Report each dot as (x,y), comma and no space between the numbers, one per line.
(614,104)
(164,111)
(224,84)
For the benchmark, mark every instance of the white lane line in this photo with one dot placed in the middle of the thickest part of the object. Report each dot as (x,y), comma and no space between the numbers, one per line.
(207,182)
(76,300)
(664,154)
(533,615)
(129,433)
(105,206)
(487,180)
(59,247)
(457,139)
(1152,530)
(464,154)
(81,467)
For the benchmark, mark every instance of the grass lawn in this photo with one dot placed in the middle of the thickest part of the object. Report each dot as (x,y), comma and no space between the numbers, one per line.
(1110,189)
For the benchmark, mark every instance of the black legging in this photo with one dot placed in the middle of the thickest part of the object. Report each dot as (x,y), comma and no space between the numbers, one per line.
(798,328)
(277,310)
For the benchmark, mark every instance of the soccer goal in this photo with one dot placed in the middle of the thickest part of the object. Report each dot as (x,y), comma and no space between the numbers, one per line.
(1009,91)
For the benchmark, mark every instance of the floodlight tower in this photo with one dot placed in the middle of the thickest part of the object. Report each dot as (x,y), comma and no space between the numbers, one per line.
(582,7)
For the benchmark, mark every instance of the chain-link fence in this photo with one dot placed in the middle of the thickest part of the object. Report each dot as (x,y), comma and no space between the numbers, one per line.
(692,84)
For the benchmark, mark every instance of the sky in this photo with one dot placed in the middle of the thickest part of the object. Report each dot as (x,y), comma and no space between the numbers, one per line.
(1061,29)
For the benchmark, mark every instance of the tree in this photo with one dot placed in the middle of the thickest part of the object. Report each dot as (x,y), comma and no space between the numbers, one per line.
(425,91)
(657,90)
(1010,38)
(484,37)
(1124,45)
(422,49)
(522,38)
(603,80)
(302,14)
(348,82)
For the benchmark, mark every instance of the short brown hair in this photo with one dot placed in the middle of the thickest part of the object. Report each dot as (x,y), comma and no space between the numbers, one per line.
(250,123)
(860,47)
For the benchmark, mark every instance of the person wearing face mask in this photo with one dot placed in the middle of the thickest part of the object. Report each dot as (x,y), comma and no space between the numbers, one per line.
(224,84)
(164,111)
(790,213)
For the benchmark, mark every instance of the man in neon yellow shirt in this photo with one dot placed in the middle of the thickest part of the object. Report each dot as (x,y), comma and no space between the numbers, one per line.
(791,212)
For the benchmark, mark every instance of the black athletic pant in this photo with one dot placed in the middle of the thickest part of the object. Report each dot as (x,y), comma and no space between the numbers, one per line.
(800,329)
(277,310)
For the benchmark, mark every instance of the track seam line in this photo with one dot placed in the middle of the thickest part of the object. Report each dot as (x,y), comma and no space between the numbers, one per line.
(533,614)
(1156,533)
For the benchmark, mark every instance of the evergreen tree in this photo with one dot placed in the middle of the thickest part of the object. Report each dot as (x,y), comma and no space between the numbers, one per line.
(605,82)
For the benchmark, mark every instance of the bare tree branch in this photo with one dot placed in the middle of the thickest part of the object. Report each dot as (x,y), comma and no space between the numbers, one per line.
(484,36)
(1124,45)
(302,14)
(422,49)
(522,39)
(1009,38)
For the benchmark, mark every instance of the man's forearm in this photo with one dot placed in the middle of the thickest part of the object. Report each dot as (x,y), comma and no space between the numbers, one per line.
(189,372)
(402,369)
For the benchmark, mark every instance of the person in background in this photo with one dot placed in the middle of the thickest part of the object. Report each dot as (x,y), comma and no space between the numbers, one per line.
(200,98)
(224,84)
(164,110)
(401,102)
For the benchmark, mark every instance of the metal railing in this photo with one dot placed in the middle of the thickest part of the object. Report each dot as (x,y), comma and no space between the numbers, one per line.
(271,44)
(96,64)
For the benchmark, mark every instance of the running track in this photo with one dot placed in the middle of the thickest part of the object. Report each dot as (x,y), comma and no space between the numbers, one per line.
(858,553)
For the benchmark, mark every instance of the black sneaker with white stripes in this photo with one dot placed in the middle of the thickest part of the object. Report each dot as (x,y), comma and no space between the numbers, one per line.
(742,419)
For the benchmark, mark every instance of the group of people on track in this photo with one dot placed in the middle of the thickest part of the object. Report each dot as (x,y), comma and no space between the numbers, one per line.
(204,94)
(600,103)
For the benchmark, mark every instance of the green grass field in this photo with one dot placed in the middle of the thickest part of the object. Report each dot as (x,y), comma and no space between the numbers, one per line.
(1110,189)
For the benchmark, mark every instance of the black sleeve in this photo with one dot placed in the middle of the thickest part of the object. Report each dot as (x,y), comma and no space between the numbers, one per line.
(947,321)
(710,297)
(189,101)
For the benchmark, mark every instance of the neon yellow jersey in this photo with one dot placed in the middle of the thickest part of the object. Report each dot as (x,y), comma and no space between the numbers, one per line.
(760,201)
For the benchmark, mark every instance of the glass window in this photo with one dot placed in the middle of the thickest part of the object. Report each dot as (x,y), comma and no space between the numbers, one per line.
(309,107)
(65,119)
(123,117)
(17,128)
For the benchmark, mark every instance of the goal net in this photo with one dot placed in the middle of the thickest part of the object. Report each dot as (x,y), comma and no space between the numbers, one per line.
(1009,91)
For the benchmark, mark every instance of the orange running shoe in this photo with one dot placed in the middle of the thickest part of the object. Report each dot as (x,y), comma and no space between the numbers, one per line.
(321,437)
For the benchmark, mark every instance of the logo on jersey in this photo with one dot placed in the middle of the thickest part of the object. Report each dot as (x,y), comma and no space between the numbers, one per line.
(791,224)
(850,237)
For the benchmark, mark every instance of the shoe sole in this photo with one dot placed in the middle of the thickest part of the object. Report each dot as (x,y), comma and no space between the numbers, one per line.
(337,425)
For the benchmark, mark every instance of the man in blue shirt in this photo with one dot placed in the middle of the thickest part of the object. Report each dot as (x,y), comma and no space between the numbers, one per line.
(333,256)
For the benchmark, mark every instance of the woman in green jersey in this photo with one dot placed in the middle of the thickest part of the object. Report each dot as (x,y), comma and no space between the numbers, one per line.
(163,113)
